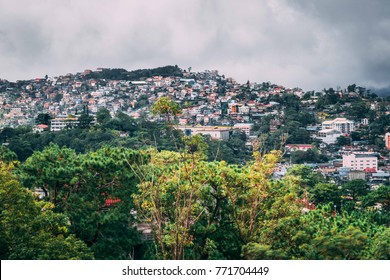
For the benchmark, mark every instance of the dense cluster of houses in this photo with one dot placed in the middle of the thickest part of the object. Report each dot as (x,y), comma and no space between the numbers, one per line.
(212,105)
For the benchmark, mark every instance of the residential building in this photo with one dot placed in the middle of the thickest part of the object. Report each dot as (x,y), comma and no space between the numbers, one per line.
(341,124)
(360,161)
(328,136)
(387,140)
(245,127)
(298,147)
(59,124)
(216,132)
(40,128)
(356,175)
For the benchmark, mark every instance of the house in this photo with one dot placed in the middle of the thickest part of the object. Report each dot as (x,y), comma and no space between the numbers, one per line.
(40,128)
(380,177)
(298,147)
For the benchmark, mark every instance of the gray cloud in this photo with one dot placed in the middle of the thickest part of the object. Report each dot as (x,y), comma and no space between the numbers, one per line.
(311,44)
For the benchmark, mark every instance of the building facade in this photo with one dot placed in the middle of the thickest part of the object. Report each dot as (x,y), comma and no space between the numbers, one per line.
(328,136)
(215,132)
(387,140)
(341,124)
(59,124)
(245,127)
(360,162)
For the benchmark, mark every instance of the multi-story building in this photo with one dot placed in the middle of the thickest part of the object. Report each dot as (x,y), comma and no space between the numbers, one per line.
(387,140)
(216,132)
(360,161)
(58,124)
(341,124)
(245,127)
(328,136)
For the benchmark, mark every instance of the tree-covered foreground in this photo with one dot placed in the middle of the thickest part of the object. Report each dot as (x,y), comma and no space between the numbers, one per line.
(196,209)
(116,202)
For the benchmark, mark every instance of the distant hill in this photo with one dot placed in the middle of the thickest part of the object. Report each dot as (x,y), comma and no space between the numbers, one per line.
(140,74)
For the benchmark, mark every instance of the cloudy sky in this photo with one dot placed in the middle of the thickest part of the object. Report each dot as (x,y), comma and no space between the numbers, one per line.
(311,44)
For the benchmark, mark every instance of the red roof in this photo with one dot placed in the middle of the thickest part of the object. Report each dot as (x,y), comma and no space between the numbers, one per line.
(42,126)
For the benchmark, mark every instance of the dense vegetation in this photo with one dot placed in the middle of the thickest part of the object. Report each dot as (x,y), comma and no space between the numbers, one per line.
(140,134)
(197,206)
(135,75)
(196,209)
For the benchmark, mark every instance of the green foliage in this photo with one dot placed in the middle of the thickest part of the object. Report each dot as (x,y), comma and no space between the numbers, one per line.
(307,177)
(358,110)
(355,189)
(122,122)
(325,193)
(165,107)
(343,141)
(379,196)
(80,185)
(231,150)
(198,205)
(30,229)
(6,155)
(51,170)
(43,119)
(380,249)
(103,116)
(256,251)
(326,235)
(309,156)
(85,121)
(172,179)
(122,74)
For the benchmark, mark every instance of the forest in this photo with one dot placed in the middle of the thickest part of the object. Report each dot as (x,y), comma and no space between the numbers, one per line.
(122,74)
(157,194)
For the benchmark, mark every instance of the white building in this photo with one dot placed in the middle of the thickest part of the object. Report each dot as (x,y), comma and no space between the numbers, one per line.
(328,136)
(216,132)
(245,127)
(59,124)
(298,147)
(360,161)
(341,124)
(364,121)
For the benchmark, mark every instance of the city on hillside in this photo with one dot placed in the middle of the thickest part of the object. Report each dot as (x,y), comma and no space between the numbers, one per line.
(341,133)
(168,163)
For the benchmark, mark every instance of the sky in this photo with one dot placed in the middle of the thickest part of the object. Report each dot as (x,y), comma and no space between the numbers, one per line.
(311,44)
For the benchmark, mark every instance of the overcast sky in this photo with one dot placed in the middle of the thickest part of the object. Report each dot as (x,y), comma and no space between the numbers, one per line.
(310,44)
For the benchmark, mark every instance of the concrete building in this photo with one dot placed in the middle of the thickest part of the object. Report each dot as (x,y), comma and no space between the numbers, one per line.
(360,161)
(245,127)
(40,128)
(328,136)
(59,124)
(341,124)
(298,147)
(356,175)
(216,132)
(387,140)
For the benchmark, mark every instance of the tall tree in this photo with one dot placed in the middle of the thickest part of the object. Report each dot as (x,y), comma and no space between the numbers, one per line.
(30,229)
